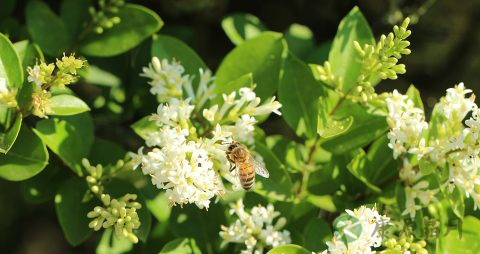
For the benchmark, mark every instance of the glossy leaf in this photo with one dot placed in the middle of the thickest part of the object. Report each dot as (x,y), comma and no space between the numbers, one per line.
(316,233)
(41,21)
(70,137)
(279,185)
(262,56)
(299,93)
(289,249)
(110,244)
(64,105)
(300,40)
(10,65)
(106,152)
(343,57)
(72,211)
(207,224)
(168,47)
(8,137)
(242,26)
(27,157)
(181,245)
(414,95)
(144,126)
(74,14)
(468,243)
(44,186)
(137,24)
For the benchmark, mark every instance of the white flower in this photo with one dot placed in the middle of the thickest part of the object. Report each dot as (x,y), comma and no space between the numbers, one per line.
(407,125)
(370,235)
(243,129)
(209,114)
(167,79)
(34,75)
(3,85)
(421,150)
(255,229)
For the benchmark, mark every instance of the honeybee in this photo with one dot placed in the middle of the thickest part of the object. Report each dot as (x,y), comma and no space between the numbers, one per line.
(246,165)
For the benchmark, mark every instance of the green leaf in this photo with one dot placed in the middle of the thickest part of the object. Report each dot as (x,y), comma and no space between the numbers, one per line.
(117,188)
(426,167)
(343,57)
(69,137)
(72,211)
(452,243)
(137,23)
(46,28)
(97,76)
(279,185)
(171,48)
(414,95)
(456,199)
(27,157)
(207,224)
(74,20)
(10,66)
(289,249)
(64,105)
(144,126)
(242,26)
(29,53)
(324,202)
(110,244)
(359,166)
(299,92)
(262,56)
(367,128)
(300,40)
(7,138)
(234,85)
(106,152)
(317,233)
(320,54)
(329,126)
(181,245)
(44,186)
(382,165)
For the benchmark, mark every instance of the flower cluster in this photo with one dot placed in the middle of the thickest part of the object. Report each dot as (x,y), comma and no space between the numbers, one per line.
(378,61)
(186,152)
(43,76)
(404,244)
(255,229)
(118,213)
(407,126)
(369,237)
(7,97)
(448,141)
(105,17)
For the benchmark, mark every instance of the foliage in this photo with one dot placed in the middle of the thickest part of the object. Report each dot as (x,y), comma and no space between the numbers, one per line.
(348,150)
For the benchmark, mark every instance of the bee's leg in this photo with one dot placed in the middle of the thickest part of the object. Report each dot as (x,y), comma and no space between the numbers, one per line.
(232,167)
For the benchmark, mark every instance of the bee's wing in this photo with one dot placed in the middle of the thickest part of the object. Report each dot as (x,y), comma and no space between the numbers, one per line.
(260,168)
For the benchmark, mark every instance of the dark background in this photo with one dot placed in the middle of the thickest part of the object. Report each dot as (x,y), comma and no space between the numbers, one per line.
(445,51)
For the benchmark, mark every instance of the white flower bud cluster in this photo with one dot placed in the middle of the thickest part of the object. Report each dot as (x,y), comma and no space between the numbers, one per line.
(186,154)
(118,213)
(255,229)
(369,237)
(407,126)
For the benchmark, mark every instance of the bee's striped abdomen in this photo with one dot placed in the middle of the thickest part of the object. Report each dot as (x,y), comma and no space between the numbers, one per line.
(247,177)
